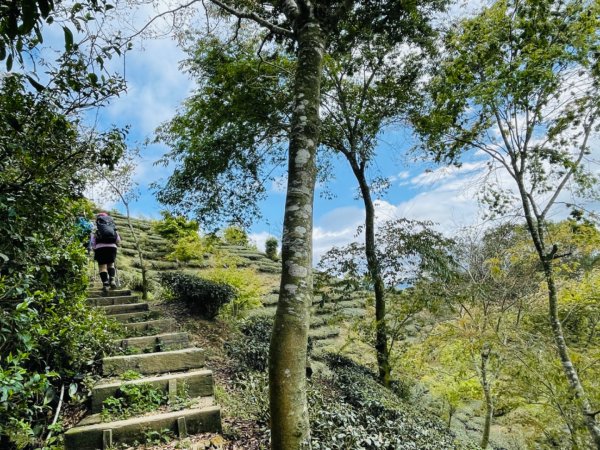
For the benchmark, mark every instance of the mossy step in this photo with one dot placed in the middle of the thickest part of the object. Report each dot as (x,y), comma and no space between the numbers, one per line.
(154,342)
(125,308)
(117,300)
(150,326)
(154,363)
(198,383)
(198,402)
(93,293)
(140,316)
(106,435)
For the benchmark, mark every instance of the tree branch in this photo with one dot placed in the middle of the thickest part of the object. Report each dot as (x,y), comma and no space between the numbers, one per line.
(254,17)
(155,18)
(587,129)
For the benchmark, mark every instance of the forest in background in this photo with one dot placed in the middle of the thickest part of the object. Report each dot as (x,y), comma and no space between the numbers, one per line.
(501,318)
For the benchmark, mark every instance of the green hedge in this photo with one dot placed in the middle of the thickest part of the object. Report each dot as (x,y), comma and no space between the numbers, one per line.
(203,297)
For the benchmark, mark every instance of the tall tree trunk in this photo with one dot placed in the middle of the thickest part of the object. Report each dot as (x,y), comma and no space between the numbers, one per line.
(546,258)
(487,393)
(381,339)
(589,416)
(287,362)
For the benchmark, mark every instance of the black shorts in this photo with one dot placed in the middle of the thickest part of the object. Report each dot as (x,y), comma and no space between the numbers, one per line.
(105,255)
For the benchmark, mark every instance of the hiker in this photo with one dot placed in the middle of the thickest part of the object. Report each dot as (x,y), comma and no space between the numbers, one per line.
(84,228)
(104,241)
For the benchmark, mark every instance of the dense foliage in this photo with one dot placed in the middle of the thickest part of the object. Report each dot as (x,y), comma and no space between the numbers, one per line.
(271,248)
(173,227)
(49,337)
(203,297)
(250,350)
(246,284)
(235,235)
(349,409)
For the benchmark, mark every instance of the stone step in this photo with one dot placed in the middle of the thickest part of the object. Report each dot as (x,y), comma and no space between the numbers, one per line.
(140,316)
(150,326)
(109,435)
(92,293)
(153,343)
(198,383)
(198,402)
(155,363)
(124,309)
(117,300)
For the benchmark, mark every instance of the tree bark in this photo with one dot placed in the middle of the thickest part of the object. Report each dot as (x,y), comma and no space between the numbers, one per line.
(535,229)
(569,369)
(381,338)
(288,352)
(487,393)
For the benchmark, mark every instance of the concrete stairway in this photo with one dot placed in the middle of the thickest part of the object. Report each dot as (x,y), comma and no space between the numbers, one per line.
(154,348)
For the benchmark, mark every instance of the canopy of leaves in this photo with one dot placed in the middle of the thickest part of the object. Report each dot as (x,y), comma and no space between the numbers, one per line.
(22,23)
(230,134)
(519,82)
(406,250)
(173,227)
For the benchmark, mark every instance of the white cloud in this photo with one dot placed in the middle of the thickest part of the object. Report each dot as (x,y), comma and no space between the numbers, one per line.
(450,201)
(446,174)
(260,239)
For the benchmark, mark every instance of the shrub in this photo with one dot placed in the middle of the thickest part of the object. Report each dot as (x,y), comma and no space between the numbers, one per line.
(235,235)
(203,297)
(187,248)
(271,248)
(174,227)
(352,410)
(250,349)
(249,397)
(248,288)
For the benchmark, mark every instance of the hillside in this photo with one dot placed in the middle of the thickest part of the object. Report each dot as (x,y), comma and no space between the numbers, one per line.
(349,408)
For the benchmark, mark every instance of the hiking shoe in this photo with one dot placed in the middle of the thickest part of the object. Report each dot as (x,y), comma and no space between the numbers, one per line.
(113,285)
(105,289)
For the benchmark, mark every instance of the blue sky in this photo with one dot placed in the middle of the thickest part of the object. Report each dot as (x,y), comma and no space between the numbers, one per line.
(156,88)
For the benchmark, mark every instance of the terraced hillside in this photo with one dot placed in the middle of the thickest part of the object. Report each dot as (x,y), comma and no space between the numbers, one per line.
(329,315)
(174,358)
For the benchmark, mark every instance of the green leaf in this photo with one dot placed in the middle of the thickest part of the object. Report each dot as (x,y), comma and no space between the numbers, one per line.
(73,389)
(45,7)
(38,87)
(68,39)
(9,63)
